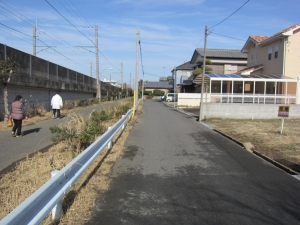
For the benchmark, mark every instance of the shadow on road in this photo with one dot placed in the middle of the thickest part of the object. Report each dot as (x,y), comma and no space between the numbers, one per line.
(35,130)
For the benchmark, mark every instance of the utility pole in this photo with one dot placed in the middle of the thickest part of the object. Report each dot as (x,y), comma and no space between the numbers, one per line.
(121,78)
(97,65)
(174,97)
(143,88)
(130,83)
(34,41)
(203,75)
(137,64)
(91,70)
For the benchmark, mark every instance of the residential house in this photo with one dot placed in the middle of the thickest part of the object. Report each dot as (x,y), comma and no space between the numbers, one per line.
(224,61)
(183,72)
(278,54)
(165,86)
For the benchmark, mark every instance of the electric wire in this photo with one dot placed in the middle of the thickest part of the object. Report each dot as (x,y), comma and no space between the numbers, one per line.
(230,15)
(15,36)
(29,35)
(227,36)
(69,22)
(15,30)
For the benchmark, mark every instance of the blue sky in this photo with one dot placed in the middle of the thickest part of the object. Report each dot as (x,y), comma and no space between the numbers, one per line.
(170,30)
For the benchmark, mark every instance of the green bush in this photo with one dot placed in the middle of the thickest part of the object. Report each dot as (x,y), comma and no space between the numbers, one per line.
(158,93)
(79,131)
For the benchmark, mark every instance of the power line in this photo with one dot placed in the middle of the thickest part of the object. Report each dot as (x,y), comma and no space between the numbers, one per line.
(227,36)
(230,14)
(15,30)
(69,22)
(15,36)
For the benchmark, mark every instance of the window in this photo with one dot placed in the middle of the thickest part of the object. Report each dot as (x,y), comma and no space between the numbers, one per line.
(256,58)
(276,51)
(251,62)
(270,53)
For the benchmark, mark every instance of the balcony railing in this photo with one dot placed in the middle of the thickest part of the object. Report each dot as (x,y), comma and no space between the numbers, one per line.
(252,98)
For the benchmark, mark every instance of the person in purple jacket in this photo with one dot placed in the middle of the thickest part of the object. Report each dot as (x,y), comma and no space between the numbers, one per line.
(18,113)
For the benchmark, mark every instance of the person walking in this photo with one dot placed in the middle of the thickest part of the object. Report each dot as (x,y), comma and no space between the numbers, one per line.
(17,113)
(56,103)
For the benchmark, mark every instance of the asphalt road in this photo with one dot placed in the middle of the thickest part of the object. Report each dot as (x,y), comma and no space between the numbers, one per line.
(175,170)
(35,138)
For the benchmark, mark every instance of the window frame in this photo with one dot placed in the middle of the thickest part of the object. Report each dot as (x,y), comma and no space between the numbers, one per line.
(276,50)
(270,53)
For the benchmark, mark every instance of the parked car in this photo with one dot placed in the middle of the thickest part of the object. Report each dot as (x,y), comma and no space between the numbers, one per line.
(171,97)
(163,98)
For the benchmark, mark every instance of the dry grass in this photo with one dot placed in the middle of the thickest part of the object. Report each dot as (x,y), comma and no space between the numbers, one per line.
(265,136)
(45,116)
(32,173)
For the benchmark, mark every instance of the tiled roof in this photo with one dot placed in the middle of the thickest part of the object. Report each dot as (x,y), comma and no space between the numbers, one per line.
(156,84)
(259,38)
(222,53)
(185,66)
(264,38)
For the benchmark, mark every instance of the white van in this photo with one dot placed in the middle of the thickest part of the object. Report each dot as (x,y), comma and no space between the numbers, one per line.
(171,97)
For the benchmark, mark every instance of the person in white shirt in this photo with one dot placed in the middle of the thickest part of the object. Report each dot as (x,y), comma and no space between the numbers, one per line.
(56,103)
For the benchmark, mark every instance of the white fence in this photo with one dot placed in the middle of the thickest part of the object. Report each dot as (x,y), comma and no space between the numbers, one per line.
(35,208)
(193,99)
(252,98)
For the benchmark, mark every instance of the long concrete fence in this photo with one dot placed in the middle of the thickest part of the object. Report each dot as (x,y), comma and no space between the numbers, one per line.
(37,80)
(247,110)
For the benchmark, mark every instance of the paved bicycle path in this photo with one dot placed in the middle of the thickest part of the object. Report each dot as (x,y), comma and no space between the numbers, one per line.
(175,170)
(35,137)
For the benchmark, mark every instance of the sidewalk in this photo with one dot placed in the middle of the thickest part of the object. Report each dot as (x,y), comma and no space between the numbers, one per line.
(36,137)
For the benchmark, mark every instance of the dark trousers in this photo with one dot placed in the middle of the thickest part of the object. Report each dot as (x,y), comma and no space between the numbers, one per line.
(17,127)
(58,112)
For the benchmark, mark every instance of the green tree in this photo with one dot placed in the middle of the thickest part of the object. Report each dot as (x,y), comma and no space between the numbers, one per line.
(158,93)
(7,68)
(199,70)
(140,83)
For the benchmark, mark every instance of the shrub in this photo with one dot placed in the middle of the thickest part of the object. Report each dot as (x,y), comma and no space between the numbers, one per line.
(158,93)
(35,109)
(68,104)
(79,131)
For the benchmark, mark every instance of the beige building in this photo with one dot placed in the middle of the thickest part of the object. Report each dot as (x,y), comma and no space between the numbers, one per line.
(277,55)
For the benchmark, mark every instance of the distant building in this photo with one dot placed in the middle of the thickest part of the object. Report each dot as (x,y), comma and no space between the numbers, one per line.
(224,61)
(111,82)
(165,86)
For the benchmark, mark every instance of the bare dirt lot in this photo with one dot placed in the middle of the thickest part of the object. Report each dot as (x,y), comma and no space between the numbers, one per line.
(265,137)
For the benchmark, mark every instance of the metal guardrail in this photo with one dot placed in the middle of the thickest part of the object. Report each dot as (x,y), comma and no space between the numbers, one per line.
(36,207)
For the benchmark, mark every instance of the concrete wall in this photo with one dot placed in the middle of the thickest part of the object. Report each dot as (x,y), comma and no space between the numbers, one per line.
(191,99)
(39,96)
(37,80)
(246,111)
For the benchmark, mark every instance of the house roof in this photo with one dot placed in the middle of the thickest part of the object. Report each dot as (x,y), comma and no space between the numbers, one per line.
(185,66)
(262,40)
(249,70)
(158,85)
(222,53)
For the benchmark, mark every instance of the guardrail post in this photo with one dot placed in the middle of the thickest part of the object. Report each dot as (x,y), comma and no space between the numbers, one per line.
(56,211)
(109,146)
(123,124)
